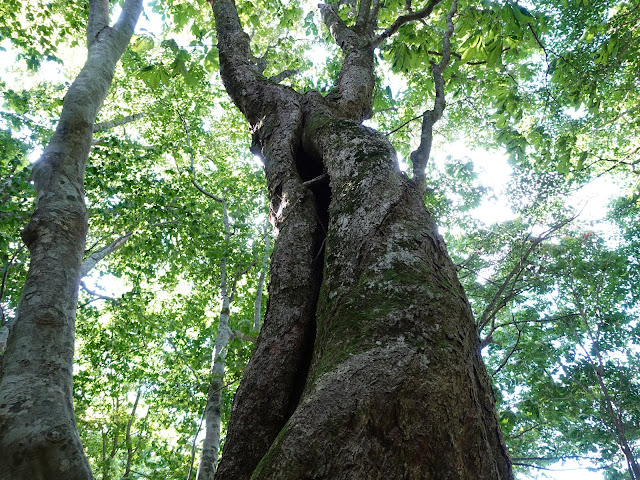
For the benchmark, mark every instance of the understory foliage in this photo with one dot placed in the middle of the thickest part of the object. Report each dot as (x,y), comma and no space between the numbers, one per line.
(550,88)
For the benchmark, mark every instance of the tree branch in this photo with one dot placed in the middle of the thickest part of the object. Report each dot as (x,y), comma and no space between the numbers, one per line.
(95,294)
(92,260)
(238,72)
(193,168)
(98,19)
(341,33)
(128,18)
(102,126)
(526,430)
(405,124)
(538,467)
(410,17)
(353,96)
(239,274)
(316,180)
(193,444)
(499,300)
(364,16)
(127,435)
(284,74)
(508,356)
(558,458)
(420,156)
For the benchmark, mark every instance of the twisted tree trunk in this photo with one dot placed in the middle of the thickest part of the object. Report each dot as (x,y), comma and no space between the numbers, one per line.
(38,433)
(368,364)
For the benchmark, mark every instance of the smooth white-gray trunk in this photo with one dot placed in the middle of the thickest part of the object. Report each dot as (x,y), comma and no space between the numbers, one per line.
(38,433)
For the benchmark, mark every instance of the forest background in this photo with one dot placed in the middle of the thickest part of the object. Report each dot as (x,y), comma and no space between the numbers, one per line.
(178,212)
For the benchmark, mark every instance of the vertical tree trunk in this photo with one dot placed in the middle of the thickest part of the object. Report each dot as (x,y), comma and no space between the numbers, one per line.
(213,414)
(38,434)
(274,377)
(127,435)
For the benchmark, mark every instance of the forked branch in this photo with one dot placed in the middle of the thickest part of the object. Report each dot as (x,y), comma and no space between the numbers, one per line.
(409,17)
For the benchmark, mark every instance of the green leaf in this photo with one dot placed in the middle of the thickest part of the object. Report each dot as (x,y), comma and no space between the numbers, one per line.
(142,44)
(211,60)
(521,14)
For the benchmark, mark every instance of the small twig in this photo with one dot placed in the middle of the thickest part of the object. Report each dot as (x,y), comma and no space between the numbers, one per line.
(526,430)
(502,295)
(508,356)
(558,458)
(238,276)
(417,117)
(98,296)
(314,181)
(530,465)
(193,168)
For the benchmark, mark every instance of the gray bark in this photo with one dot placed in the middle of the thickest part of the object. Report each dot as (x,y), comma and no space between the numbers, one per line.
(38,434)
(102,126)
(368,363)
(95,257)
(397,388)
(213,414)
(127,436)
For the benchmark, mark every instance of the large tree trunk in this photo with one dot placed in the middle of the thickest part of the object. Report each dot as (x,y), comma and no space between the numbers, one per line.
(38,434)
(396,388)
(368,364)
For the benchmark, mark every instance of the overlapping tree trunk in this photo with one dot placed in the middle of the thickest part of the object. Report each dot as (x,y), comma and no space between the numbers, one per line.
(368,363)
(38,434)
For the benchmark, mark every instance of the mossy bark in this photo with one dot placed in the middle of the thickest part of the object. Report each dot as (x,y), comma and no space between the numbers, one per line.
(396,388)
(368,365)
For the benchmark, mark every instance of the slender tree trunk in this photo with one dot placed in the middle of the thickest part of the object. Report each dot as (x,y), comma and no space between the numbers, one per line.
(38,434)
(257,306)
(127,435)
(213,413)
(213,408)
